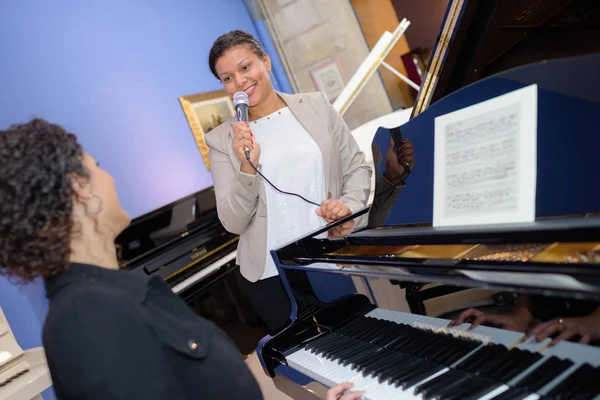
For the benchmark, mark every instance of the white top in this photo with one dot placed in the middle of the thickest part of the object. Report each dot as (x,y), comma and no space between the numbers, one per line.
(292,161)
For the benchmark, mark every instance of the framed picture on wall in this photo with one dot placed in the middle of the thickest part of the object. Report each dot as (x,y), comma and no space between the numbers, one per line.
(204,112)
(329,78)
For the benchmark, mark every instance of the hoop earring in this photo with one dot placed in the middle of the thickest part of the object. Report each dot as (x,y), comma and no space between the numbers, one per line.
(98,208)
(273,77)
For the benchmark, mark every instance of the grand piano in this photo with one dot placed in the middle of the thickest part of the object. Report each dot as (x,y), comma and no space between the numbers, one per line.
(485,49)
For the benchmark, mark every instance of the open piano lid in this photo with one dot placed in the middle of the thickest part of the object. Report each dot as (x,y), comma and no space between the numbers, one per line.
(486,49)
(480,38)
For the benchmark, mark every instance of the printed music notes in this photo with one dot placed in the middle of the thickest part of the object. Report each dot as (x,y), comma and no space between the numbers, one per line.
(485,162)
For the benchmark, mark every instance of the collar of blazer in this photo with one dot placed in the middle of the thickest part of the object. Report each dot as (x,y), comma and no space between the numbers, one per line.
(305,109)
(311,111)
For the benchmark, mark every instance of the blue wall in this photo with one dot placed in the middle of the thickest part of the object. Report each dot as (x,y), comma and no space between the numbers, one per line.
(111,71)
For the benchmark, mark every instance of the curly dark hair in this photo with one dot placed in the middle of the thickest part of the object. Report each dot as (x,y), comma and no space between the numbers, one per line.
(229,40)
(37,163)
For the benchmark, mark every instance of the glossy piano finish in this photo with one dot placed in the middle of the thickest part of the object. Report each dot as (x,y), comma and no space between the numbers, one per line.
(555,256)
(183,242)
(485,49)
(483,38)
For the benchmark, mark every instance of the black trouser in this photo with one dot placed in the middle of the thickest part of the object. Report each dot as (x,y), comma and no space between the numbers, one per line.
(270,301)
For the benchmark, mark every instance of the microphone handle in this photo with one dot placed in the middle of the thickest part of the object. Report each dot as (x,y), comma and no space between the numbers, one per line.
(242,115)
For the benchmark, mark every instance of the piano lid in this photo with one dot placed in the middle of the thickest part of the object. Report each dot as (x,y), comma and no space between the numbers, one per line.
(157,231)
(480,38)
(559,256)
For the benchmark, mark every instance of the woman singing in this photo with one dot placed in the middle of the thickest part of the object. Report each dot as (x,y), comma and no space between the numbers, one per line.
(301,144)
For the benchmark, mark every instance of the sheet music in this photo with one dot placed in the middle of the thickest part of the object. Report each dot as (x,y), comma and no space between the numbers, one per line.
(485,162)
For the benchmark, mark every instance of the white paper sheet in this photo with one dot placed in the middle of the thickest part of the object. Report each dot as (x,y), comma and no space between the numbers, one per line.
(485,162)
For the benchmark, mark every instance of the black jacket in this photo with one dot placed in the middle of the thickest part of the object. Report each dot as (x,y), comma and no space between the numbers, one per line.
(115,335)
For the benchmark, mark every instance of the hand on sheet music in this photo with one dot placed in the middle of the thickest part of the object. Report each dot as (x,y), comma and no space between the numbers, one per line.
(509,322)
(397,159)
(242,138)
(332,210)
(339,392)
(586,329)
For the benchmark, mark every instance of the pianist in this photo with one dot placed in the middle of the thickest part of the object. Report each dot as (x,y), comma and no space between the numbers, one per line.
(301,144)
(108,334)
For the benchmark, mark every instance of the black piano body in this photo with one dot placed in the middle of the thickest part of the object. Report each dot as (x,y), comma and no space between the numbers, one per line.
(485,49)
(185,244)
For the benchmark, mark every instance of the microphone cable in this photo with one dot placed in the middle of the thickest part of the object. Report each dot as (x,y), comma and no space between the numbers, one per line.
(275,187)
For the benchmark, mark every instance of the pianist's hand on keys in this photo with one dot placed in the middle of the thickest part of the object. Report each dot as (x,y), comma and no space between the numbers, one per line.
(337,392)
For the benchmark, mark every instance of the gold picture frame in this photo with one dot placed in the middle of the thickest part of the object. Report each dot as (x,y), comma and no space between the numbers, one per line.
(204,112)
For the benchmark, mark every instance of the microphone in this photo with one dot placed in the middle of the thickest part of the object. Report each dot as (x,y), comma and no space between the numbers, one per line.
(240,103)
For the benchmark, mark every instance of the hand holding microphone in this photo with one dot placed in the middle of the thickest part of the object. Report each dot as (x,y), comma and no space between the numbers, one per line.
(245,145)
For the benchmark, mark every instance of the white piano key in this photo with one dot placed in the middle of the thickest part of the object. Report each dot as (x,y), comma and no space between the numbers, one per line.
(204,272)
(495,392)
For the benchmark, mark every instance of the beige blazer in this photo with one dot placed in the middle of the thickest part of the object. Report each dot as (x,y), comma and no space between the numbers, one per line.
(241,198)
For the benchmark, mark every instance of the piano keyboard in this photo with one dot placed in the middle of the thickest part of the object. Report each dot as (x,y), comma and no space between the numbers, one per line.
(32,380)
(204,272)
(395,355)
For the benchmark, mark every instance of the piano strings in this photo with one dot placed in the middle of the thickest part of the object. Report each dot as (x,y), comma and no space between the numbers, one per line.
(559,253)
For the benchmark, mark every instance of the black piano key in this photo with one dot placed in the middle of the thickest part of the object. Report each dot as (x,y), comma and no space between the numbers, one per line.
(373,329)
(387,359)
(572,384)
(455,353)
(502,358)
(329,351)
(327,338)
(387,336)
(341,343)
(387,370)
(419,375)
(423,347)
(369,358)
(436,384)
(378,366)
(351,347)
(473,358)
(408,363)
(477,394)
(483,356)
(460,388)
(326,345)
(370,332)
(375,335)
(345,356)
(402,375)
(420,371)
(411,336)
(520,361)
(351,360)
(513,394)
(441,392)
(544,373)
(589,388)
(438,346)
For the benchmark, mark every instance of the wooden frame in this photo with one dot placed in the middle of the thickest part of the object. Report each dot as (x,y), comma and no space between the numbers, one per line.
(204,112)
(329,78)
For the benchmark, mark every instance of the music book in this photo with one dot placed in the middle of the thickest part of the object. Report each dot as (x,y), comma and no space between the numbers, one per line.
(485,162)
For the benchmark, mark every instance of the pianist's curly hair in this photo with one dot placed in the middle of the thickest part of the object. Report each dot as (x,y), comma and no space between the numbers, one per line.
(37,163)
(229,40)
